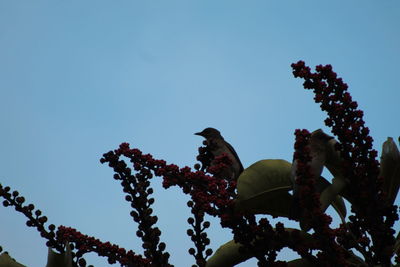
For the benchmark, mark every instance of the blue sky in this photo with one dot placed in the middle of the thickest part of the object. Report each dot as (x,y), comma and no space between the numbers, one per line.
(77,78)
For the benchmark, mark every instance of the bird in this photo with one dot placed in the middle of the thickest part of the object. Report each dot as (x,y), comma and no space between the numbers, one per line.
(218,146)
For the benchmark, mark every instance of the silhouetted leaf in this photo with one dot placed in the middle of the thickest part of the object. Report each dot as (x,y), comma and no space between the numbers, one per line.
(7,261)
(354,260)
(396,249)
(330,196)
(55,259)
(263,181)
(268,180)
(333,159)
(390,169)
(228,255)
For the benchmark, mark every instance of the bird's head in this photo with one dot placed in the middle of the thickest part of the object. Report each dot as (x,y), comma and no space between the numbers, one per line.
(209,133)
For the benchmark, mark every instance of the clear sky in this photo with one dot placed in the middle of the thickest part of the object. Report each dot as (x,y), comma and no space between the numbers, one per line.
(77,78)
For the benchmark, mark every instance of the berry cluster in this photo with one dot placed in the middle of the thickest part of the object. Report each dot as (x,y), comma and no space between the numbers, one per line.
(198,235)
(35,217)
(80,244)
(374,215)
(212,195)
(138,191)
(85,244)
(209,194)
(310,203)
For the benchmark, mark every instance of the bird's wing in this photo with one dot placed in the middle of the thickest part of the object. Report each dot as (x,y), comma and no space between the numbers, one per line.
(232,150)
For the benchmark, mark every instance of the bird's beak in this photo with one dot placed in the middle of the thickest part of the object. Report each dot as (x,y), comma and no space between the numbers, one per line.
(199,133)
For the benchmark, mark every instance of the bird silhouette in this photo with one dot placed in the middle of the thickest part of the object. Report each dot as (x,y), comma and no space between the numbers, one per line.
(217,145)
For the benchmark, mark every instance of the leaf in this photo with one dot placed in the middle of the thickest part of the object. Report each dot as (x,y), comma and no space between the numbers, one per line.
(396,249)
(228,254)
(333,159)
(279,207)
(390,169)
(7,261)
(59,259)
(324,146)
(260,183)
(264,175)
(354,260)
(351,259)
(334,163)
(340,207)
(330,195)
(270,179)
